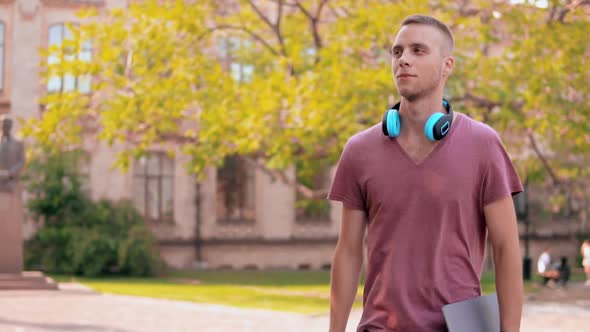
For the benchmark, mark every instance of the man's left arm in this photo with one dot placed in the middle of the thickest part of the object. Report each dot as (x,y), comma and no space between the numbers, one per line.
(503,232)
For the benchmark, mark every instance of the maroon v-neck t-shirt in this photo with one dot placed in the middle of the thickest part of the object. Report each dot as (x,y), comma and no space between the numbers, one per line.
(426,230)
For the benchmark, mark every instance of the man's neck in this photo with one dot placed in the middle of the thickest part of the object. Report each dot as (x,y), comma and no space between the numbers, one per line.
(5,138)
(415,114)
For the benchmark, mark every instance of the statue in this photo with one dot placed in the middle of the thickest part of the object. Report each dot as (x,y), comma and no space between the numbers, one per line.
(12,160)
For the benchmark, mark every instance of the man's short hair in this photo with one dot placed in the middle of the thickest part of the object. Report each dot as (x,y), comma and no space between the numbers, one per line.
(429,20)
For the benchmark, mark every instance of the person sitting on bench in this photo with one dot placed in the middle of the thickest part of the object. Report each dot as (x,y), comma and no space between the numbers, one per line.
(545,269)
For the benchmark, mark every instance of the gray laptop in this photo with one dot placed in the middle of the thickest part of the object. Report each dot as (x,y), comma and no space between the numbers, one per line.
(479,314)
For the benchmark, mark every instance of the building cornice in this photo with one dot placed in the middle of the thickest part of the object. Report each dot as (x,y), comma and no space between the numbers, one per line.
(249,241)
(72,3)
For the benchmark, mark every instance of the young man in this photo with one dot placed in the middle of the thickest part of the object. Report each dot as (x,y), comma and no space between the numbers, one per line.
(426,202)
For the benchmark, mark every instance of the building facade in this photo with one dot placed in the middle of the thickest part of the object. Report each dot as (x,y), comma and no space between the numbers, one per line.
(238,217)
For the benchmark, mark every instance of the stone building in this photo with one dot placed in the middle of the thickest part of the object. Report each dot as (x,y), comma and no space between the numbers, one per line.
(255,224)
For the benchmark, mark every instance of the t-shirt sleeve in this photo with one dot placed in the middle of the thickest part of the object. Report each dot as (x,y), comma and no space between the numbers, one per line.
(345,184)
(500,176)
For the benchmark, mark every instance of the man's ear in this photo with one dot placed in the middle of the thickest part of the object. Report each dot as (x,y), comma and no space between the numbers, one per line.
(448,66)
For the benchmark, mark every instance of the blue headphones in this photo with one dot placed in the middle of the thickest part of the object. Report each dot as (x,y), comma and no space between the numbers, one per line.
(436,128)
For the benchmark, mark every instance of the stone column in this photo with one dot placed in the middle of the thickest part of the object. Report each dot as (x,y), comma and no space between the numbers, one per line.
(11,240)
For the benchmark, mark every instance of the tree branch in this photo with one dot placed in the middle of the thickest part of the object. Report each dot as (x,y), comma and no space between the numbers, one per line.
(544,161)
(276,29)
(337,13)
(261,15)
(478,101)
(251,33)
(279,14)
(276,174)
(313,22)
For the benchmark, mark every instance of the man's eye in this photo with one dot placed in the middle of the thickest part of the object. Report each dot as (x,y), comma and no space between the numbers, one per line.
(418,50)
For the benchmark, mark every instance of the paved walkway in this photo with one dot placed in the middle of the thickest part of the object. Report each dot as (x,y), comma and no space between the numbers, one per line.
(76,309)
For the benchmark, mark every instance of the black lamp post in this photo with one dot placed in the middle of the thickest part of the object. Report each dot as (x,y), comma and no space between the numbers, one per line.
(521,204)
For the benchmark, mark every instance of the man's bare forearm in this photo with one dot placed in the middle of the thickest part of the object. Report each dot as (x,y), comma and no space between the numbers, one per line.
(343,288)
(509,287)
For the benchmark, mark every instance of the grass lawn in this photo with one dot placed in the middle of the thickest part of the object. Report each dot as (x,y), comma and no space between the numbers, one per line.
(304,292)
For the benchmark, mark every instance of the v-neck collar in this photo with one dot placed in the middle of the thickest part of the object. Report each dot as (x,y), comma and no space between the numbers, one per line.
(458,119)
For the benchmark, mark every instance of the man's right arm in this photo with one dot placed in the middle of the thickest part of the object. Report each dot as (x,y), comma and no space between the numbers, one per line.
(346,267)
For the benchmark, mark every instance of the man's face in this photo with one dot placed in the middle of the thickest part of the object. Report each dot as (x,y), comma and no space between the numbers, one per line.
(420,61)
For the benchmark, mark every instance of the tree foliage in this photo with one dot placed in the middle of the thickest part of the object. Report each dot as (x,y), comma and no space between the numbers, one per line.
(287,82)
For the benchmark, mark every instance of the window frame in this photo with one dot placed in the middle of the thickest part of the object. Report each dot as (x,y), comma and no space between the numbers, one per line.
(147,176)
(247,196)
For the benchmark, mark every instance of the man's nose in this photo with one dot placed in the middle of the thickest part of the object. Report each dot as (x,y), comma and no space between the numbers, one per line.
(403,61)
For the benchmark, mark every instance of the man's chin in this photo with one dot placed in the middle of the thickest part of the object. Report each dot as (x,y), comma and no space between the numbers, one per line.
(408,95)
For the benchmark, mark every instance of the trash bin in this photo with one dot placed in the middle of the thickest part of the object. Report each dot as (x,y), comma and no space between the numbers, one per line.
(526,268)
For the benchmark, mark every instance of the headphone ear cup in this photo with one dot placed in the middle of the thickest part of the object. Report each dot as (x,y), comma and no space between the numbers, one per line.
(430,126)
(391,124)
(437,126)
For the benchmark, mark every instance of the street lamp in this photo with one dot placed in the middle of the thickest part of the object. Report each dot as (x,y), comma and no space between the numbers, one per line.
(521,204)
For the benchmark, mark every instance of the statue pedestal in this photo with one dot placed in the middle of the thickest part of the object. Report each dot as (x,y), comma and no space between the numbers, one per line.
(11,247)
(26,280)
(11,238)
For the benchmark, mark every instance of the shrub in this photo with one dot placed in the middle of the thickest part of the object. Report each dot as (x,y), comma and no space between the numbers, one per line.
(79,236)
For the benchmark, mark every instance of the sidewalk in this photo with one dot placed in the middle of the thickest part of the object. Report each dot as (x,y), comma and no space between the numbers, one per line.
(77,309)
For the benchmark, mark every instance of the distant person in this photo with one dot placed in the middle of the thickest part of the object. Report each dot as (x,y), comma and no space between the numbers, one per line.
(585,251)
(545,269)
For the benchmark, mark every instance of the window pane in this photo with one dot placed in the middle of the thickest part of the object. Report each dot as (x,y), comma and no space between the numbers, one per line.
(87,46)
(247,72)
(236,71)
(220,206)
(168,165)
(54,84)
(236,190)
(222,48)
(85,56)
(84,84)
(2,67)
(250,188)
(233,44)
(153,200)
(139,194)
(68,56)
(52,59)
(1,56)
(69,82)
(168,197)
(153,165)
(67,33)
(139,166)
(55,34)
